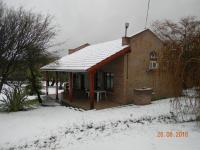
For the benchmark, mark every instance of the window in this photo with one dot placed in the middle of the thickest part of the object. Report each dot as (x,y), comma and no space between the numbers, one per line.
(153,64)
(108,81)
(153,55)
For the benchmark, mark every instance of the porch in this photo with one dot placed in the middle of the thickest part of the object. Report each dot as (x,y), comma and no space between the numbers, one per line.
(80,86)
(85,104)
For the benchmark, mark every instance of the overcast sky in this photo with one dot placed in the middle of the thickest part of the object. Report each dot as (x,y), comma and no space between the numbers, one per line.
(94,21)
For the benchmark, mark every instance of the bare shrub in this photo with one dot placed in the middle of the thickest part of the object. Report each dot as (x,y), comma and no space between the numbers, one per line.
(181,57)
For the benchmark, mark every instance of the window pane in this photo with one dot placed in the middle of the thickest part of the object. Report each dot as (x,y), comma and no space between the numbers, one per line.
(112,81)
(107,82)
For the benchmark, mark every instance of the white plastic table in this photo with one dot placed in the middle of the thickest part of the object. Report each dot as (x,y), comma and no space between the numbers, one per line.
(99,94)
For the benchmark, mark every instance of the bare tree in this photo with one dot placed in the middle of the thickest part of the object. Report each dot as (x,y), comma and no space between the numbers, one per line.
(181,56)
(20,32)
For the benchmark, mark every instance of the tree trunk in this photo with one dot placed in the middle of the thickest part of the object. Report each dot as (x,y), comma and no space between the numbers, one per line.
(1,85)
(34,86)
(3,80)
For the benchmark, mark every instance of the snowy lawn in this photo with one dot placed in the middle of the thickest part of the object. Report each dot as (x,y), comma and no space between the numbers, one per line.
(34,98)
(128,127)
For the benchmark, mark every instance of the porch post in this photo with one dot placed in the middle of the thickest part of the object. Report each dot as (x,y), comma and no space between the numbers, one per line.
(67,88)
(47,80)
(70,86)
(56,85)
(91,79)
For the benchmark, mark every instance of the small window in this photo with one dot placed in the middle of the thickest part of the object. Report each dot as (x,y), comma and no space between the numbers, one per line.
(153,64)
(108,81)
(153,55)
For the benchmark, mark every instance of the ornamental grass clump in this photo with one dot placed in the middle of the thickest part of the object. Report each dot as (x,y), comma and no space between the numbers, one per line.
(14,99)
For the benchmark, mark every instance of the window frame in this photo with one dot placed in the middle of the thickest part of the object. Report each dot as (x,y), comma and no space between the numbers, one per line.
(153,64)
(108,81)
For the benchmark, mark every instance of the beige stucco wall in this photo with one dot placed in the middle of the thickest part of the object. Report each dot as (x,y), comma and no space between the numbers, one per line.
(138,64)
(132,70)
(117,67)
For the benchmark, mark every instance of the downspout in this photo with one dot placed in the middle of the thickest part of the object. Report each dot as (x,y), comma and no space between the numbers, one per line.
(127,66)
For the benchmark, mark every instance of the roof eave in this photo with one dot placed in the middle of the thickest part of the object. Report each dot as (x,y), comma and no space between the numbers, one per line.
(64,70)
(109,59)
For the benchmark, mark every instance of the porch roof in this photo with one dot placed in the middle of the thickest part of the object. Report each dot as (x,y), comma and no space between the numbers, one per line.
(89,57)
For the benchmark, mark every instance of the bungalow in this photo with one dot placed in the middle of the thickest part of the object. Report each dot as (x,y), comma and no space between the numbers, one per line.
(107,73)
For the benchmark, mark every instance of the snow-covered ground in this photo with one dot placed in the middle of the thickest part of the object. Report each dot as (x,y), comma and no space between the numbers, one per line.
(51,92)
(127,127)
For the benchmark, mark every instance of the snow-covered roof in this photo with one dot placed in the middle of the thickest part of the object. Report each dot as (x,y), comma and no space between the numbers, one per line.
(87,57)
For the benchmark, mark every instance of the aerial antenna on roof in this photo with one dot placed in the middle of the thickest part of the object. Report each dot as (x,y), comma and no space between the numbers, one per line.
(126,27)
(147,14)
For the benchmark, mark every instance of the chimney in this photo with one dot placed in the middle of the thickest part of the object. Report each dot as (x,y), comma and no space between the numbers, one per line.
(125,39)
(70,51)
